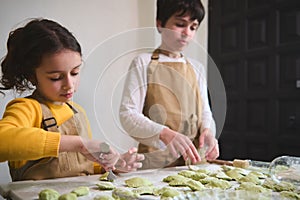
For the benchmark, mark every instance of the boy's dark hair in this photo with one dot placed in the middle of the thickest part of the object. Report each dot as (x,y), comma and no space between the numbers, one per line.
(26,47)
(167,8)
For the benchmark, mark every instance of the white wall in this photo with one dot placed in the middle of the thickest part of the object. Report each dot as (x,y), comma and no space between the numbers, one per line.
(100,26)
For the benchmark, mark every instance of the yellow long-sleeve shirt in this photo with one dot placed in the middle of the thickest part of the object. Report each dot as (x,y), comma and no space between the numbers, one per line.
(22,137)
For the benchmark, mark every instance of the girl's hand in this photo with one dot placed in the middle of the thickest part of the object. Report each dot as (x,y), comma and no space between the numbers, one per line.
(179,144)
(211,143)
(92,150)
(129,161)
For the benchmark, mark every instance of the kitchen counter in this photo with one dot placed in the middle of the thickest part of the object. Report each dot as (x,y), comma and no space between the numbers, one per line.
(30,189)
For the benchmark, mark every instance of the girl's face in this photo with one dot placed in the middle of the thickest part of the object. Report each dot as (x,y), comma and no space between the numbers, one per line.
(177,32)
(57,77)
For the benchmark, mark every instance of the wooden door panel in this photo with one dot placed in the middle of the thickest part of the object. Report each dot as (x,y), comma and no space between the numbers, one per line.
(230,74)
(232,116)
(261,149)
(257,70)
(289,119)
(255,4)
(257,117)
(288,148)
(256,46)
(230,37)
(258,31)
(229,7)
(289,71)
(289,22)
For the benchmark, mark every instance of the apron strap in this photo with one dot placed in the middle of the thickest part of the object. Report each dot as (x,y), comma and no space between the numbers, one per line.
(155,54)
(49,122)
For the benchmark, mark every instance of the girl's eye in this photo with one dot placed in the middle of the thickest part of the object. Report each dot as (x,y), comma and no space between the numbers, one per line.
(60,76)
(56,78)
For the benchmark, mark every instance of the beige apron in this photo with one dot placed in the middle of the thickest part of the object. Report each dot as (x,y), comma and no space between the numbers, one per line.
(67,163)
(172,99)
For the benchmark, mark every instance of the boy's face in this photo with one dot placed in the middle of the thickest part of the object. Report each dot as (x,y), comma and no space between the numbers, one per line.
(57,77)
(177,32)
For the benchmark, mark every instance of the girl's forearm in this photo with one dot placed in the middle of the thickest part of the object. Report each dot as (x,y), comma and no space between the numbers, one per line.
(70,143)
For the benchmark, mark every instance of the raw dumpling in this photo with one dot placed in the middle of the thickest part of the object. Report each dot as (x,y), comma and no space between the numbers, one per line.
(248,186)
(68,196)
(168,193)
(260,175)
(278,187)
(288,194)
(198,175)
(222,175)
(48,194)
(103,197)
(123,194)
(179,182)
(218,183)
(137,182)
(105,185)
(173,177)
(208,179)
(195,185)
(144,190)
(205,171)
(250,178)
(234,174)
(186,173)
(81,191)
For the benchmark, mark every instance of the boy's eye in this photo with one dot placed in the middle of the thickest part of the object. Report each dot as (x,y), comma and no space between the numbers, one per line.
(193,28)
(180,24)
(75,73)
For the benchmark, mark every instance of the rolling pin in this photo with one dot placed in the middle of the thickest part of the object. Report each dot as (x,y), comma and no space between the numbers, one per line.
(241,163)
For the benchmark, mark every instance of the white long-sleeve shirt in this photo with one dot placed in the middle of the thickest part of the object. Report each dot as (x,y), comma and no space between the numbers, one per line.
(134,122)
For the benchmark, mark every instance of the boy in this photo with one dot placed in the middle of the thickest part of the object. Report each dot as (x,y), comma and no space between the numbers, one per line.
(165,104)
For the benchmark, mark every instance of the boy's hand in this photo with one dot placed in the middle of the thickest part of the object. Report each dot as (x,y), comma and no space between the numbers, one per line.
(211,143)
(179,144)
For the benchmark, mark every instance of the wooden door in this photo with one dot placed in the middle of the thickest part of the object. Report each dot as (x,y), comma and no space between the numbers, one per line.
(256,46)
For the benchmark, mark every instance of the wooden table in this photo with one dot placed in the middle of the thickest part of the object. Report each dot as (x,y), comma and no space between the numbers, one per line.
(30,189)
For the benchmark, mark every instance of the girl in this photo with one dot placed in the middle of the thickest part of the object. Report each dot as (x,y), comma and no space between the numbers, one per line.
(46,135)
